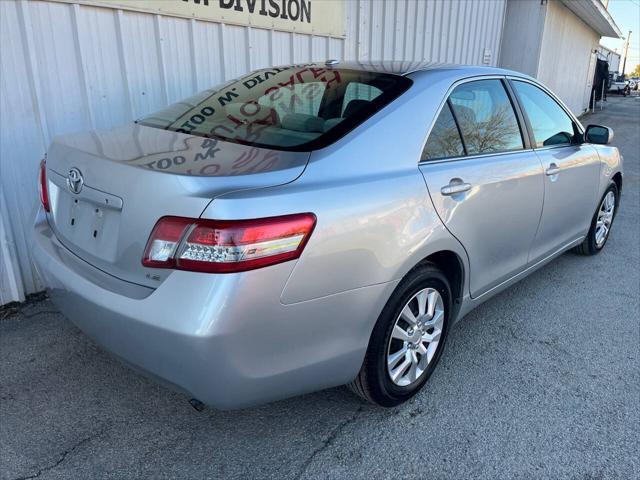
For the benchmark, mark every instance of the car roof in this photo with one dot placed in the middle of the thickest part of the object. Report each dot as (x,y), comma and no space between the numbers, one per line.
(407,67)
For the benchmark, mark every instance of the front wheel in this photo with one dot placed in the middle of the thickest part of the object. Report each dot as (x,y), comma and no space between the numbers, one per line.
(601,223)
(407,340)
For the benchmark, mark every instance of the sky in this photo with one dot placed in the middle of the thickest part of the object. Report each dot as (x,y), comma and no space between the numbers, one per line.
(626,14)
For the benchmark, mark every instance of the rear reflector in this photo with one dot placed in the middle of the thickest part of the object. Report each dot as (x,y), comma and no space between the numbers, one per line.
(42,186)
(164,240)
(225,246)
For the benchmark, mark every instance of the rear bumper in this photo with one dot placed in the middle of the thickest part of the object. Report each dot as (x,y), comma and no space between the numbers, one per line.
(227,340)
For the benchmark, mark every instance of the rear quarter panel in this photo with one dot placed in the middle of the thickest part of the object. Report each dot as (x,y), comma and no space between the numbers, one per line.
(368,232)
(611,163)
(376,220)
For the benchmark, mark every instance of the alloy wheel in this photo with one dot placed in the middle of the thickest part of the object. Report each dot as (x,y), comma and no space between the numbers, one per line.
(415,337)
(605,217)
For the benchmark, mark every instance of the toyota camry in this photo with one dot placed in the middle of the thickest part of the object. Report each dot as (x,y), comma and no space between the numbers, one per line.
(310,226)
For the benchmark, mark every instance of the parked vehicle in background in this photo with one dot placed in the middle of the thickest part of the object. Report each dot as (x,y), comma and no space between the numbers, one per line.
(619,85)
(316,225)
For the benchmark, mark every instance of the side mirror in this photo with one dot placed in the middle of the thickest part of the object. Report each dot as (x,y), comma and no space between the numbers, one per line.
(598,134)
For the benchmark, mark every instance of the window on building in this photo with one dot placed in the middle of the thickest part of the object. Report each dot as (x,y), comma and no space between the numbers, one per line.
(444,140)
(550,123)
(486,117)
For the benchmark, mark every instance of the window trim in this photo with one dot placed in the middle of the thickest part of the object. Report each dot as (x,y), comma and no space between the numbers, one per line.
(455,120)
(522,125)
(527,131)
(576,123)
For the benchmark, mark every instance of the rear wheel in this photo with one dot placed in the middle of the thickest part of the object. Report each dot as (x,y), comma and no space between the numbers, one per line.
(407,340)
(601,223)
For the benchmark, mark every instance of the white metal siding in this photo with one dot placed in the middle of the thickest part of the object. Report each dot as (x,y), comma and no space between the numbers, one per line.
(565,55)
(614,63)
(69,67)
(610,56)
(522,36)
(442,31)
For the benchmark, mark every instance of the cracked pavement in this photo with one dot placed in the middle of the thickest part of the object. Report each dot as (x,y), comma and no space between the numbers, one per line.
(542,381)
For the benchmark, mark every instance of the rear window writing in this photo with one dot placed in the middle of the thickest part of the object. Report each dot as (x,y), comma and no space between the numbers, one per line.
(290,108)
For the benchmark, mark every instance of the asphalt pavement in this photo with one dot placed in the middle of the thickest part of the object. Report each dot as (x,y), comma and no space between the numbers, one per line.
(542,381)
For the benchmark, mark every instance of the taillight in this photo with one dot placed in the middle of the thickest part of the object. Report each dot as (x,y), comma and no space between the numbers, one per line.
(225,246)
(42,186)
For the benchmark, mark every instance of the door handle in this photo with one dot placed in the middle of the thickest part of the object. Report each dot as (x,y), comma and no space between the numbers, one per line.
(552,170)
(454,188)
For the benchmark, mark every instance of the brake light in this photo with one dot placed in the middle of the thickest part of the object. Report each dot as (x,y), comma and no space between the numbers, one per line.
(226,246)
(42,186)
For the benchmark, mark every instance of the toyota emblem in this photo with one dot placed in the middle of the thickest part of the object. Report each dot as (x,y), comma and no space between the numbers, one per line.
(75,181)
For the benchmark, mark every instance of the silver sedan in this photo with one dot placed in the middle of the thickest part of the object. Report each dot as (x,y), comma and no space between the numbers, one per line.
(310,226)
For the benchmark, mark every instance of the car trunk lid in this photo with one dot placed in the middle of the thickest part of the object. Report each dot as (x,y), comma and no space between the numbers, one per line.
(108,188)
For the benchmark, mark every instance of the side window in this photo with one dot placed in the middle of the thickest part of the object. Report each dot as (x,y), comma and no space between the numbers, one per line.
(486,117)
(444,139)
(549,122)
(358,91)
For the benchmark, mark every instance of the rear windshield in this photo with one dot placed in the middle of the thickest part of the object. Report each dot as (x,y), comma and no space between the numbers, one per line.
(297,108)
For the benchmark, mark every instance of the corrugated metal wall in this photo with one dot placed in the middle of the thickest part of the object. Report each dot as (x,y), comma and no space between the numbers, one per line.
(610,56)
(440,31)
(523,30)
(69,67)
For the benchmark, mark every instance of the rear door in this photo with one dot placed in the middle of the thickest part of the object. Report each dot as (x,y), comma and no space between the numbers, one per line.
(572,170)
(486,185)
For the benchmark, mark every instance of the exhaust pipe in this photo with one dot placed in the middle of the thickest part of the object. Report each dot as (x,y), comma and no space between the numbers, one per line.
(197,404)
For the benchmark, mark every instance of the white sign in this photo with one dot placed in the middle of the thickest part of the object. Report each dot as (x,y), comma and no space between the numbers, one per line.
(317,17)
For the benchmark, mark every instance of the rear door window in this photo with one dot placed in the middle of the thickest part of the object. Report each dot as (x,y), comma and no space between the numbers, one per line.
(550,123)
(486,117)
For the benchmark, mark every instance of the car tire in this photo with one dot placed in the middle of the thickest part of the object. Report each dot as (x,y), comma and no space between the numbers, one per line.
(374,382)
(592,244)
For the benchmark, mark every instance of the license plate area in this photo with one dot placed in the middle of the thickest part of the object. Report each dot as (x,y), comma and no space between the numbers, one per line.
(89,220)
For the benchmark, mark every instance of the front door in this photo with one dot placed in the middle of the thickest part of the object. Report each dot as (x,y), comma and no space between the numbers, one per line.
(485,186)
(572,170)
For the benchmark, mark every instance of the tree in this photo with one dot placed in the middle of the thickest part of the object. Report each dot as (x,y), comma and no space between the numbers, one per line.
(636,72)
